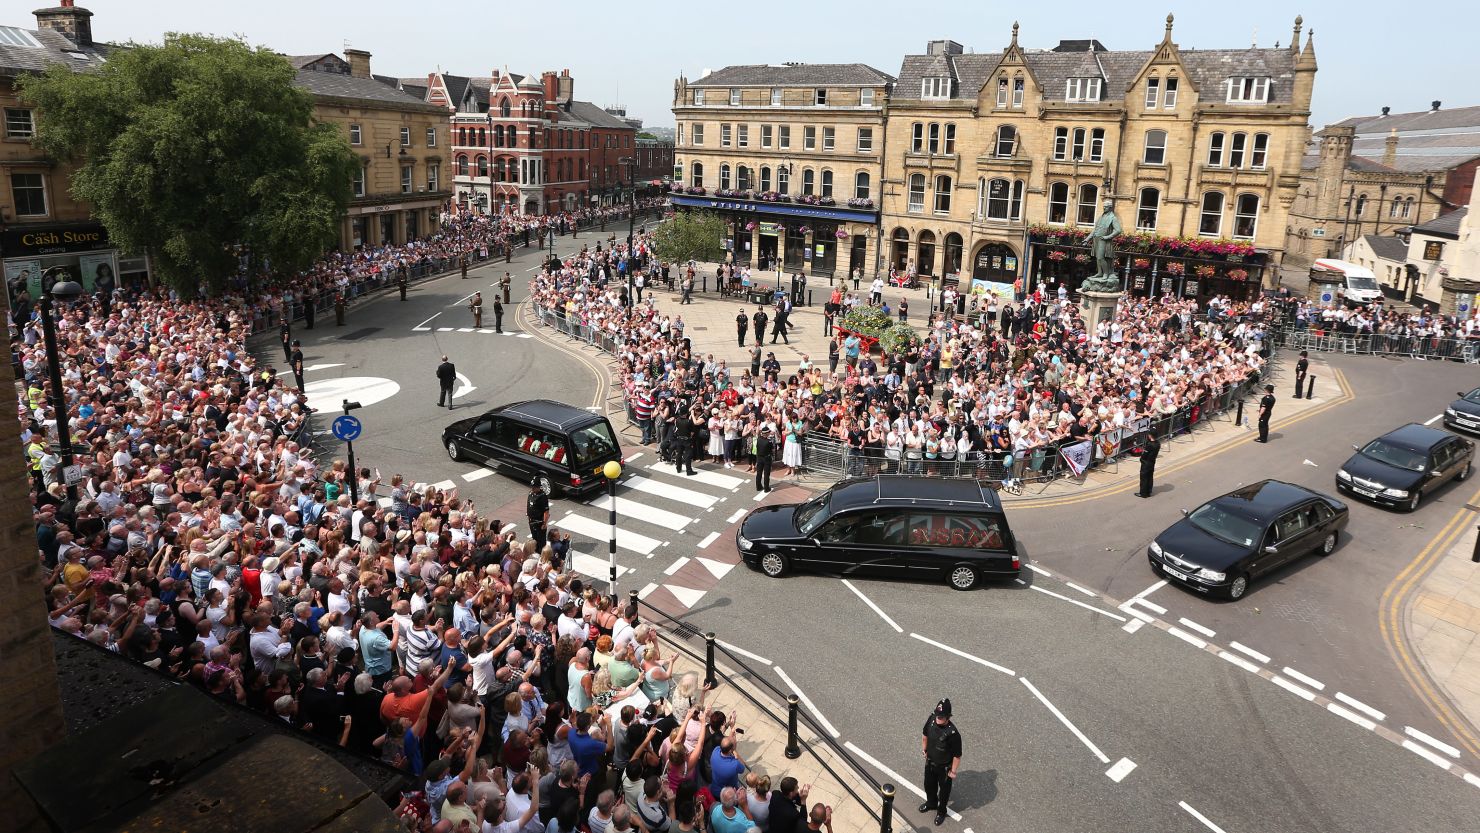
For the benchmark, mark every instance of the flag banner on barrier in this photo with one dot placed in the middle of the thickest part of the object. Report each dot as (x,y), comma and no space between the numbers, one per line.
(1078,456)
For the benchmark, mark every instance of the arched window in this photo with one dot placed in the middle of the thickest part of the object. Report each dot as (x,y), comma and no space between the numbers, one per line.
(482,137)
(1006,141)
(917,193)
(953,254)
(498,135)
(809,181)
(1245,216)
(1361,204)
(742,178)
(1089,195)
(1394,207)
(1155,152)
(462,165)
(827,183)
(1407,207)
(1236,150)
(1077,153)
(1211,222)
(950,145)
(765,178)
(861,185)
(1016,211)
(1058,202)
(1018,86)
(942,194)
(1260,151)
(934,143)
(696,175)
(724,177)
(483,166)
(1148,205)
(1002,91)
(1215,150)
(503,107)
(917,138)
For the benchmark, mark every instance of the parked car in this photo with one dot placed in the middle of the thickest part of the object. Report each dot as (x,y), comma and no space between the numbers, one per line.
(1401,466)
(1221,546)
(1463,414)
(894,526)
(561,446)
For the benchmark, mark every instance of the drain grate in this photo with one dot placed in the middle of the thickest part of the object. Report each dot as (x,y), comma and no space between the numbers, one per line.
(685,631)
(360,333)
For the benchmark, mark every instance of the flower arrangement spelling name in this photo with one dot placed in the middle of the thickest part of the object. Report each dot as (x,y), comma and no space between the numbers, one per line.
(1149,243)
(1238,274)
(1204,271)
(1057,255)
(1176,267)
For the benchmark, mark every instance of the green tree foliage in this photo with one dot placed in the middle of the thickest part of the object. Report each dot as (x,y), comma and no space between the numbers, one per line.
(696,235)
(189,148)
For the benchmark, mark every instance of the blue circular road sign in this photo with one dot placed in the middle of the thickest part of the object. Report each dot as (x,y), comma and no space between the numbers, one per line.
(347,428)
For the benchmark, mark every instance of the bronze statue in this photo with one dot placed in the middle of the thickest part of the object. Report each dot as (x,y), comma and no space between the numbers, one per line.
(1102,246)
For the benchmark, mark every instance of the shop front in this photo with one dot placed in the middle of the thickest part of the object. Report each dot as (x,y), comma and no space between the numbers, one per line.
(772,232)
(1149,266)
(35,257)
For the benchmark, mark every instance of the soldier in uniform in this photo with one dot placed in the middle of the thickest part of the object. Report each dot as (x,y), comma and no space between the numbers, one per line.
(503,284)
(401,282)
(1266,409)
(537,509)
(475,305)
(463,264)
(1302,366)
(765,455)
(941,746)
(1150,448)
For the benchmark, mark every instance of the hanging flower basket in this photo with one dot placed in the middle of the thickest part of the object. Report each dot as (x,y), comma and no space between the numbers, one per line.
(1238,274)
(1205,271)
(750,226)
(1057,255)
(842,235)
(1081,258)
(1176,267)
(803,229)
(1141,263)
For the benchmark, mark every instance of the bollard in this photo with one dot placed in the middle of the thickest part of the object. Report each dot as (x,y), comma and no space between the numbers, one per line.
(1238,416)
(809,295)
(886,818)
(632,601)
(705,284)
(1310,387)
(709,659)
(793,746)
(1475,556)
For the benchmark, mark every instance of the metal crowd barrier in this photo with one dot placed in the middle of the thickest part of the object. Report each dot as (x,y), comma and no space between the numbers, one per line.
(1340,340)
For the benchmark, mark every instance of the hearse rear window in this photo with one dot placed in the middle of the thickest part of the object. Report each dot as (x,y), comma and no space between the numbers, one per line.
(944,529)
(542,445)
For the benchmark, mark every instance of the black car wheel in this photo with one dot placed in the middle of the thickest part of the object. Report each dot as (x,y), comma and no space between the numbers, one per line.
(1239,587)
(1328,544)
(963,577)
(453,451)
(545,485)
(1414,501)
(773,564)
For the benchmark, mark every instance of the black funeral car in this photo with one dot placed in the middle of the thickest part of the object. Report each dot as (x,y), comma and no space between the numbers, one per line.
(892,526)
(1405,464)
(1463,414)
(1219,547)
(561,446)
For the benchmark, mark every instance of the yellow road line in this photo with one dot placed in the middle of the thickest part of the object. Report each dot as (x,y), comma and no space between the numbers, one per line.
(530,318)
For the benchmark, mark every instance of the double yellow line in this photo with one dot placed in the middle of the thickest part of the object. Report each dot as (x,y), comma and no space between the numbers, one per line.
(1390,618)
(1206,454)
(530,318)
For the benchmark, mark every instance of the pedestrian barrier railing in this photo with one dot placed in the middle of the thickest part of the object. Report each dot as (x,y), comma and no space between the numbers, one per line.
(1342,340)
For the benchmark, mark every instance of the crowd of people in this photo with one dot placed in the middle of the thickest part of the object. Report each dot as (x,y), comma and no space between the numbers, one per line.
(1380,328)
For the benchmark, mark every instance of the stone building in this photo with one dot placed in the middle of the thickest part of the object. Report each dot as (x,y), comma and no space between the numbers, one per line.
(790,156)
(1376,175)
(996,164)
(401,142)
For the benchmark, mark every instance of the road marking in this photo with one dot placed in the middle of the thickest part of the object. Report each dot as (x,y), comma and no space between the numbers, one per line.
(718,569)
(311,368)
(676,566)
(467,387)
(367,390)
(1240,662)
(1427,754)
(1431,741)
(1310,681)
(978,660)
(739,513)
(1200,817)
(1086,591)
(1140,617)
(1434,419)
(1132,626)
(597,531)
(463,298)
(465,329)
(1079,603)
(628,508)
(1122,768)
(742,652)
(631,457)
(444,485)
(894,776)
(523,335)
(708,539)
(1199,628)
(1360,706)
(760,496)
(445,329)
(870,602)
(423,325)
(595,567)
(1472,779)
(686,595)
(708,478)
(1151,606)
(1351,715)
(669,491)
(1039,570)
(1250,651)
(1148,591)
(1064,720)
(1187,637)
(1292,688)
(476,474)
(807,701)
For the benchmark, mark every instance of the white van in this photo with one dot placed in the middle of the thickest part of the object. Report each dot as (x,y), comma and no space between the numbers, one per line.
(1358,284)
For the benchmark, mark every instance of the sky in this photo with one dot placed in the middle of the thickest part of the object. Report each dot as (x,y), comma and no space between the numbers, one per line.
(631,53)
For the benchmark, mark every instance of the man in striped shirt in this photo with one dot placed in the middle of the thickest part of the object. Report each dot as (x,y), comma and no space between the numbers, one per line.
(421,641)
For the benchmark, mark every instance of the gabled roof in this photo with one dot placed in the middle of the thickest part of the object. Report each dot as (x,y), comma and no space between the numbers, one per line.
(51,48)
(794,75)
(301,61)
(1446,226)
(1387,248)
(595,116)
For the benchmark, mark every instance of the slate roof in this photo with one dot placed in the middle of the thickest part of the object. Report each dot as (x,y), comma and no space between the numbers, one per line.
(595,116)
(336,85)
(54,49)
(1445,226)
(794,75)
(1387,248)
(1428,140)
(301,61)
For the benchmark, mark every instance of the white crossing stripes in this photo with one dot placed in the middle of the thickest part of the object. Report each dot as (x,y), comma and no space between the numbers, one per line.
(708,478)
(598,531)
(642,511)
(664,489)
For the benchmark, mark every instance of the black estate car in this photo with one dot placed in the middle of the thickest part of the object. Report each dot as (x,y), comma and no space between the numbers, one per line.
(1464,413)
(1401,466)
(895,526)
(1221,546)
(562,446)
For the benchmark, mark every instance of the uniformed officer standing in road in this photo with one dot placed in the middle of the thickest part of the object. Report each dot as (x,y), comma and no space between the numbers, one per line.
(475,306)
(296,362)
(765,455)
(503,284)
(760,318)
(285,333)
(1150,448)
(498,315)
(446,377)
(941,745)
(742,324)
(1266,409)
(401,282)
(1302,367)
(339,308)
(683,442)
(537,510)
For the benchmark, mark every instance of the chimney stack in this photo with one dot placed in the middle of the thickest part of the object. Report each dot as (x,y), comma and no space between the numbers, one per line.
(1435,104)
(1390,149)
(359,62)
(1385,111)
(567,86)
(67,20)
(551,84)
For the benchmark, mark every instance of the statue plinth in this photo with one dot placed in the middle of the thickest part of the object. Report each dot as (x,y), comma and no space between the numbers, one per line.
(1098,306)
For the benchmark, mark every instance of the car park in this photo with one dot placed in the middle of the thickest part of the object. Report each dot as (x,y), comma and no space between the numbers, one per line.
(893,526)
(1224,544)
(1404,465)
(1463,414)
(560,446)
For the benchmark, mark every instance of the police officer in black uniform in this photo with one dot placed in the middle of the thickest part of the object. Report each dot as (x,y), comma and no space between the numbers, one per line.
(683,443)
(1150,448)
(1266,409)
(296,362)
(308,312)
(537,509)
(1302,367)
(765,455)
(941,745)
(339,308)
(285,332)
(498,315)
(742,324)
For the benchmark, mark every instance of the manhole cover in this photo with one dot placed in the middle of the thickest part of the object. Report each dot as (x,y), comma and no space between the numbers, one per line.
(360,333)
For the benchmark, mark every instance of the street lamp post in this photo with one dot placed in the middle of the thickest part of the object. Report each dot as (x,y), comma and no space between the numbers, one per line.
(65,289)
(612,470)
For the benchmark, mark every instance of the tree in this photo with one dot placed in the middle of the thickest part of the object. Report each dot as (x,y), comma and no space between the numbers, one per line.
(690,235)
(192,147)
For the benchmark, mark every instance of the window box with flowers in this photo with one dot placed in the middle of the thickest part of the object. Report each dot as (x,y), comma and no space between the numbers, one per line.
(750,226)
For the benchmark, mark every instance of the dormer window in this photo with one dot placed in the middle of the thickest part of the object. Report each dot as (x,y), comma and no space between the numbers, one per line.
(936,87)
(698,97)
(734,98)
(1083,89)
(1248,89)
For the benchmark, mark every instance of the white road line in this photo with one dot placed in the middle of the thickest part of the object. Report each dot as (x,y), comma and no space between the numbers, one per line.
(962,654)
(807,701)
(598,531)
(1360,706)
(444,485)
(1351,715)
(870,602)
(1291,687)
(1199,628)
(595,567)
(1064,720)
(1431,741)
(1310,681)
(423,325)
(476,474)
(1427,754)
(1151,606)
(1435,418)
(708,478)
(445,329)
(1132,626)
(1187,637)
(1122,768)
(742,652)
(463,298)
(1472,779)
(522,335)
(760,496)
(467,387)
(668,490)
(1148,591)
(894,776)
(1078,603)
(1200,817)
(1240,662)
(708,539)
(1140,617)
(1039,570)
(465,329)
(630,458)
(1250,651)
(638,511)
(646,590)
(676,566)
(739,513)
(1085,590)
